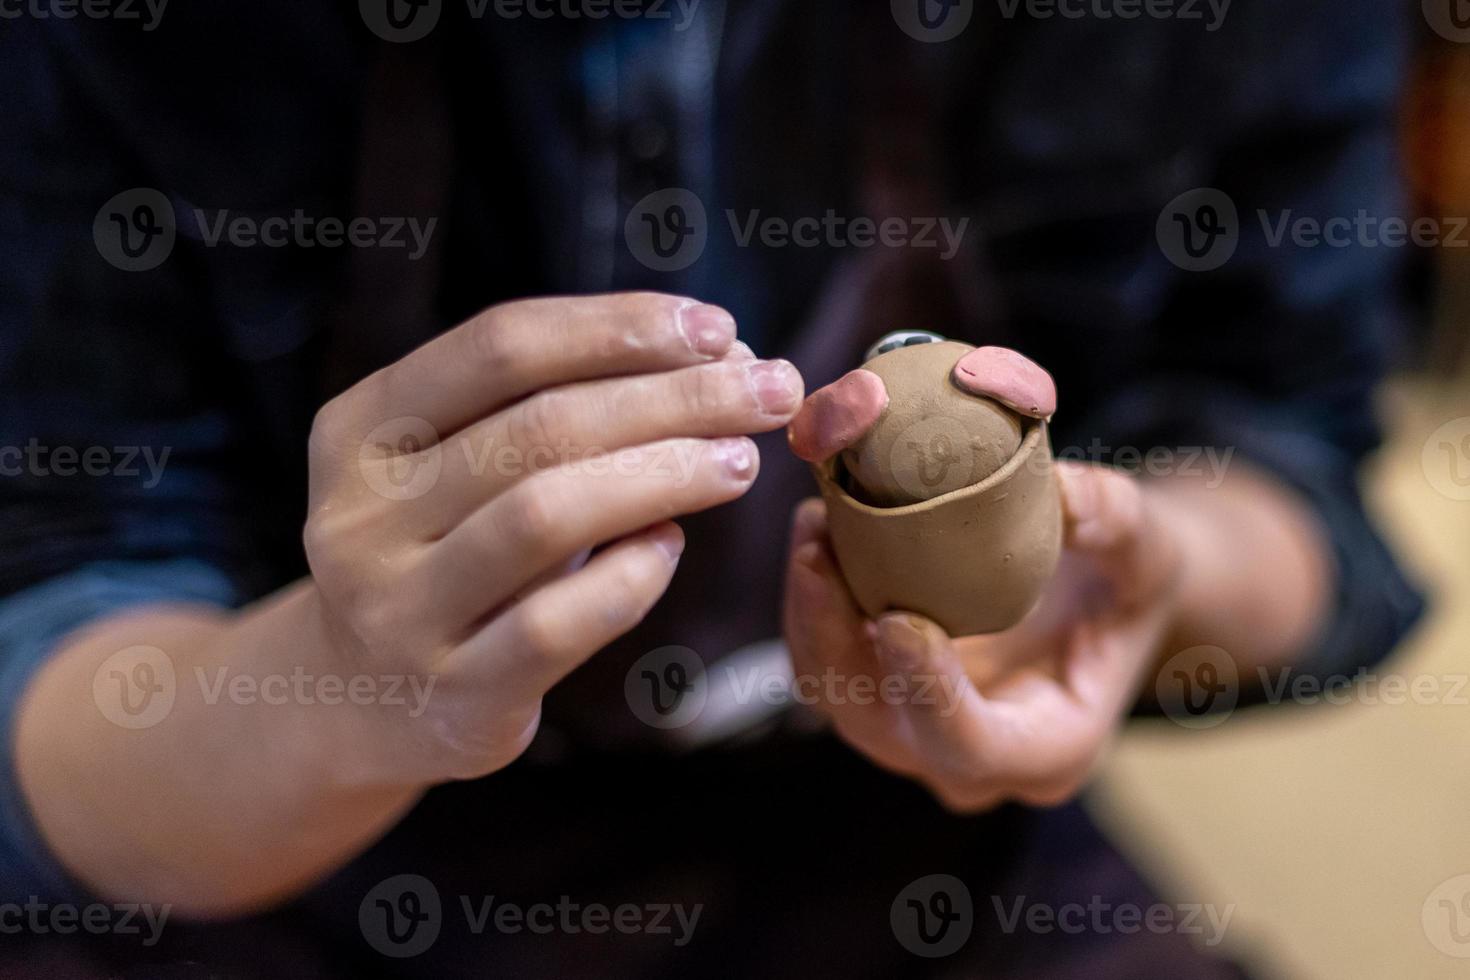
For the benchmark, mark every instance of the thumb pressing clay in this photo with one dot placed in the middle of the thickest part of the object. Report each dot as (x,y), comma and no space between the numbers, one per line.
(948,506)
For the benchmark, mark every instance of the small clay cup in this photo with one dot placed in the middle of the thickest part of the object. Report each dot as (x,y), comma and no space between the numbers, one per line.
(974,560)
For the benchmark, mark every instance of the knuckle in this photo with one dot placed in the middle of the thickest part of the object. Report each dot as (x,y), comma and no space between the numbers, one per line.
(635,588)
(540,632)
(328,424)
(536,421)
(529,519)
(652,316)
(533,514)
(712,392)
(489,339)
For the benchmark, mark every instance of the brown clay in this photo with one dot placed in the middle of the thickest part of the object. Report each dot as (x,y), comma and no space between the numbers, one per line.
(933,438)
(949,506)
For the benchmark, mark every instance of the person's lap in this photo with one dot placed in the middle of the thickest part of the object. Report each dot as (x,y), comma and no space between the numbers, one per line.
(798,859)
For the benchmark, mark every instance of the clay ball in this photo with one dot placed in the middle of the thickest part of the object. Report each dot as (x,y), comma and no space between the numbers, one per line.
(933,438)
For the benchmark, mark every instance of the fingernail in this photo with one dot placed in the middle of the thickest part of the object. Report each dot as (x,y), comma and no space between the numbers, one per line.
(708,330)
(777,386)
(740,351)
(671,543)
(900,644)
(737,456)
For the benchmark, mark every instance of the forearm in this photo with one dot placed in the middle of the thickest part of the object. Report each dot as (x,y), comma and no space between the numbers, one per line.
(1256,569)
(223,804)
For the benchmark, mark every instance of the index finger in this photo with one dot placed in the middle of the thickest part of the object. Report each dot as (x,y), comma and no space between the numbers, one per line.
(512,350)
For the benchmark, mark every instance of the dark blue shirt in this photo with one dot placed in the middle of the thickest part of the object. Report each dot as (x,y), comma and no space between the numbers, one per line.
(1061,142)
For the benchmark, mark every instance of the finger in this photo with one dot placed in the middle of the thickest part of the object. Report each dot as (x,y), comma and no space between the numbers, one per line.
(511,350)
(1106,518)
(543,520)
(823,624)
(559,425)
(837,416)
(1010,378)
(521,654)
(970,748)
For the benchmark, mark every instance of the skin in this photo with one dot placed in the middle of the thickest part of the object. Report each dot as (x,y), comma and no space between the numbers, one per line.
(481,584)
(1148,569)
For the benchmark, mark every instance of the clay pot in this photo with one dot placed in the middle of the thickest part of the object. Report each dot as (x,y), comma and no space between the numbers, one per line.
(949,507)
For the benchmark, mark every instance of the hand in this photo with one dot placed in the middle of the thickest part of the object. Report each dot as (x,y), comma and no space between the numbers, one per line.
(1020,715)
(481,579)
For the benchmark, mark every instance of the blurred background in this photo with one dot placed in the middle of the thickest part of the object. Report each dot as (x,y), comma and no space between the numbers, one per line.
(1339,834)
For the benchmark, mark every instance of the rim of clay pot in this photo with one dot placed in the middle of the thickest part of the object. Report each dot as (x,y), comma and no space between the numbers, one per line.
(1035,432)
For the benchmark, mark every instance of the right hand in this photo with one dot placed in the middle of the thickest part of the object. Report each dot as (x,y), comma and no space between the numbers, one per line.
(479,578)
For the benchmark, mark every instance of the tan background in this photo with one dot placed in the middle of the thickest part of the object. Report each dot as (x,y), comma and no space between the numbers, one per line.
(1329,827)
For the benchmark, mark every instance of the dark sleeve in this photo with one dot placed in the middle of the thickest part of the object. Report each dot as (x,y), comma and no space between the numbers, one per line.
(1275,356)
(136,462)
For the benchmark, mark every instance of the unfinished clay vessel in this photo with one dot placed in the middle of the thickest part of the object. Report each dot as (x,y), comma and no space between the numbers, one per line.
(949,505)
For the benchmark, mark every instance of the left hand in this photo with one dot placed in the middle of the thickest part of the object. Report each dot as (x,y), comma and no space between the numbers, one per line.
(1021,715)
